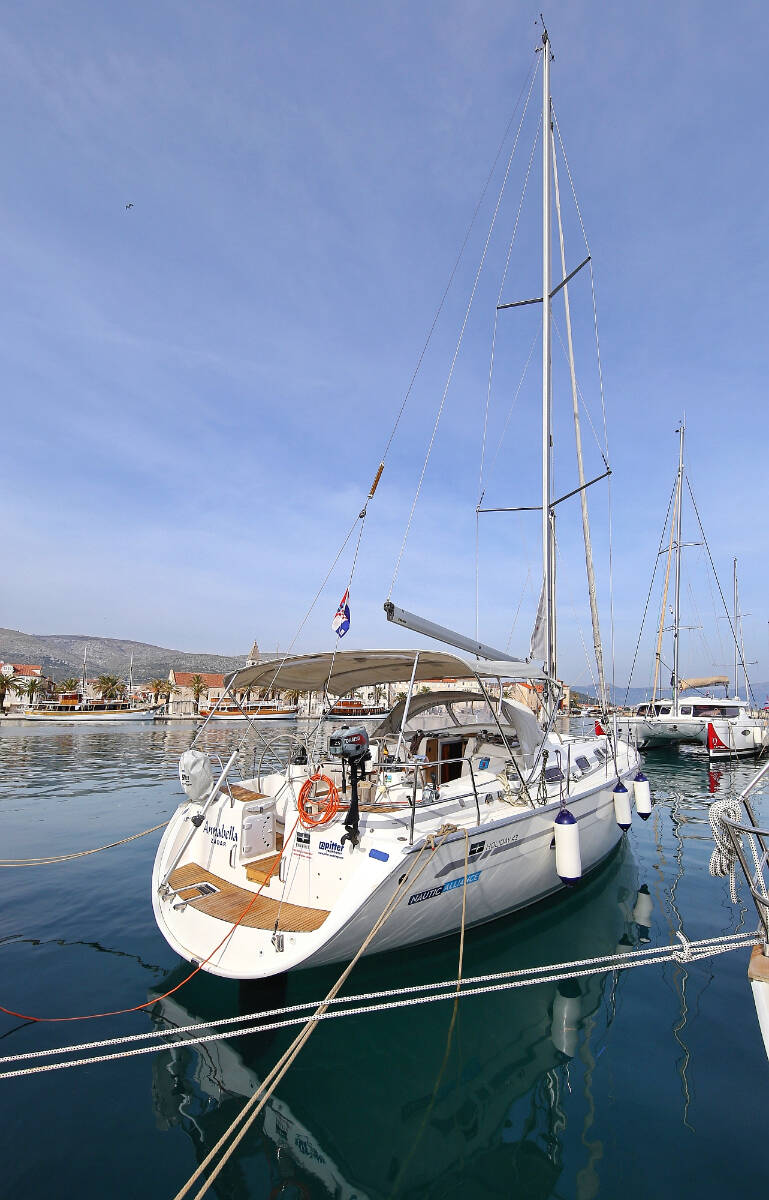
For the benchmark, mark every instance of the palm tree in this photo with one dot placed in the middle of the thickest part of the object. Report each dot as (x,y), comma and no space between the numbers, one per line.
(68,685)
(158,688)
(198,686)
(31,689)
(109,686)
(6,684)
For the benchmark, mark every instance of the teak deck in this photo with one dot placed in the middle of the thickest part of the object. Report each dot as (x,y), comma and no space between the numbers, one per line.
(230,902)
(758,968)
(244,794)
(264,868)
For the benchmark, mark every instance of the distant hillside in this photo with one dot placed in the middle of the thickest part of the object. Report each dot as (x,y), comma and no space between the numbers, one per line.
(637,695)
(61,655)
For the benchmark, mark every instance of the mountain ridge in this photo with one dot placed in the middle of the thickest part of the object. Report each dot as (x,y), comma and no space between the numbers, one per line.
(61,655)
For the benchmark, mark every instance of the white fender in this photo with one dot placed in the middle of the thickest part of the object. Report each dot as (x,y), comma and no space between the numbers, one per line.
(622,809)
(643,796)
(568,862)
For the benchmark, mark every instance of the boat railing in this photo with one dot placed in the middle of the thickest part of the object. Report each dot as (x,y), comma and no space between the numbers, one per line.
(433,767)
(750,844)
(223,776)
(757,876)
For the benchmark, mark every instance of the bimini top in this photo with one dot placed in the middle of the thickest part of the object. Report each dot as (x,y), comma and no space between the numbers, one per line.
(340,673)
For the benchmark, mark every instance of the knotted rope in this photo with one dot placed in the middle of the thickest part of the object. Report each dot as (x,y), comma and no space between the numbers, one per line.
(724,857)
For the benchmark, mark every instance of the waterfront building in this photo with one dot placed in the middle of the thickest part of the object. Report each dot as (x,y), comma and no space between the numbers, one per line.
(181,702)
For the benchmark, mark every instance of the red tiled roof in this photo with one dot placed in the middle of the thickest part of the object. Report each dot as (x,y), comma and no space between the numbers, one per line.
(25,669)
(185,678)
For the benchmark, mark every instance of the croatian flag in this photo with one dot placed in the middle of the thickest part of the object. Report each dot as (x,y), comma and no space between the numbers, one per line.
(341,621)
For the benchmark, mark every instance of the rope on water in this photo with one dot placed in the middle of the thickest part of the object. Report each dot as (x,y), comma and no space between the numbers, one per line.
(389,1000)
(256,1103)
(724,857)
(57,858)
(119,1012)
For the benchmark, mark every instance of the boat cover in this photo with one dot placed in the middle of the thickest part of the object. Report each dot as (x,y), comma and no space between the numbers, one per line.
(708,681)
(346,670)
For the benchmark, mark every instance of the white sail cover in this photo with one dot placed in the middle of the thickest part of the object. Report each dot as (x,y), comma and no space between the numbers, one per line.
(538,650)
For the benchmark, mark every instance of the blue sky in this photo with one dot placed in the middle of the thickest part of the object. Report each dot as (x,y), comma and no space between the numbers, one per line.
(198,389)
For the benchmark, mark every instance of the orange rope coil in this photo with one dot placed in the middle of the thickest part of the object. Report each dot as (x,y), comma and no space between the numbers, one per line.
(327,802)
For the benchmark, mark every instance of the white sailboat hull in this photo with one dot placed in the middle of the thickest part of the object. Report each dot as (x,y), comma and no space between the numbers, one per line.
(741,735)
(648,732)
(511,864)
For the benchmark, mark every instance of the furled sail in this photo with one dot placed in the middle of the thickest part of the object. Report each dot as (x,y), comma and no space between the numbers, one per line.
(538,649)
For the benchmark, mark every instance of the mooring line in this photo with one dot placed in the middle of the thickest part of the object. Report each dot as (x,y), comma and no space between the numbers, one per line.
(430,992)
(119,1012)
(57,858)
(256,1103)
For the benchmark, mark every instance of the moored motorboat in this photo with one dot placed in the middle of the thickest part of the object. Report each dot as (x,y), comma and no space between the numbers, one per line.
(86,712)
(352,710)
(253,710)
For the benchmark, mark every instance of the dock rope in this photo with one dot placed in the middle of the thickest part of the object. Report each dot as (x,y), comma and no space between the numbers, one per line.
(724,857)
(385,1000)
(45,861)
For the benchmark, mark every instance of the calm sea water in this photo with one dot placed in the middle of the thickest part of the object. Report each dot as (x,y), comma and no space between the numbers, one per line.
(662,1093)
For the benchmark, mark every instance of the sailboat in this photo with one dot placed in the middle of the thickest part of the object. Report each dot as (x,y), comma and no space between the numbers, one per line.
(726,726)
(383,841)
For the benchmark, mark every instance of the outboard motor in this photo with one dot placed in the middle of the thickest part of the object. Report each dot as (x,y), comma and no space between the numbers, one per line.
(351,746)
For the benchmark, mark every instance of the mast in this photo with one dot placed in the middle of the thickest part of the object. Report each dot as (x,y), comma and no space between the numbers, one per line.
(85,655)
(664,605)
(548,532)
(597,648)
(736,630)
(677,609)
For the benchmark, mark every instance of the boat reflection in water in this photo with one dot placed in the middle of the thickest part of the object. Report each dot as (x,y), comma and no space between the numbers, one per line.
(375,1106)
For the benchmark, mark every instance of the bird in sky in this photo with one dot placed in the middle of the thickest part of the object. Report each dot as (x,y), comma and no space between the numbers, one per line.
(129,205)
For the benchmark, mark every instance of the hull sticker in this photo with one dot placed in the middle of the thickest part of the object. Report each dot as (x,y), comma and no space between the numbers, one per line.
(449,886)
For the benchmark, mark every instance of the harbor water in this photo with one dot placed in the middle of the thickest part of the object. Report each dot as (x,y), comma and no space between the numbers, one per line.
(642,1082)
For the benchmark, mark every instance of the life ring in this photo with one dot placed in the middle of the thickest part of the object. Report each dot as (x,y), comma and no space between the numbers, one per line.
(328,801)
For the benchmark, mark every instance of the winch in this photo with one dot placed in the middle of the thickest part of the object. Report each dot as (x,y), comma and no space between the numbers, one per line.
(352,746)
